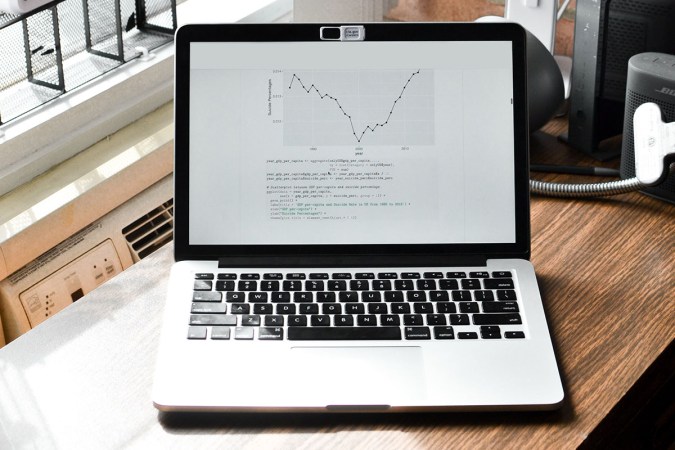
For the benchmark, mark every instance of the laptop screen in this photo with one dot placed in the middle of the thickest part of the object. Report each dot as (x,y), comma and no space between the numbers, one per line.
(351,143)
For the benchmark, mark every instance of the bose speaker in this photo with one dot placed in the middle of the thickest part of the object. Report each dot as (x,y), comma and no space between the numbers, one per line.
(651,79)
(607,33)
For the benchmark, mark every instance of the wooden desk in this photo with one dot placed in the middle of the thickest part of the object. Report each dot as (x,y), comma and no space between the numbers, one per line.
(83,379)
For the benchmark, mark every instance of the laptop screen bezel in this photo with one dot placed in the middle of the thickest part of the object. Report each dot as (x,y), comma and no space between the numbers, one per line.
(349,254)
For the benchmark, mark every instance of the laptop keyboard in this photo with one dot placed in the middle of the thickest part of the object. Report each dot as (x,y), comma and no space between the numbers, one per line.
(355,306)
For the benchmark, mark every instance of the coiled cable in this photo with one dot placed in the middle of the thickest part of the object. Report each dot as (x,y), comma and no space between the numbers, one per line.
(585,189)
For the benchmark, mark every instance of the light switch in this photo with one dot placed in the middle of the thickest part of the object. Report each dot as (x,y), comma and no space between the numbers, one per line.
(531,3)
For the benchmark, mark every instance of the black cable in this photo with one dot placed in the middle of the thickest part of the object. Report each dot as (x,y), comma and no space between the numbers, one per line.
(575,170)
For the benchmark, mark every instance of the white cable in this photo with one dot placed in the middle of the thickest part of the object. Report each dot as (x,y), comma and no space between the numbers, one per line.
(562,9)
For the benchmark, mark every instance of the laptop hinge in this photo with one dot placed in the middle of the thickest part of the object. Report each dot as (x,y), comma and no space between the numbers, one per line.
(353,261)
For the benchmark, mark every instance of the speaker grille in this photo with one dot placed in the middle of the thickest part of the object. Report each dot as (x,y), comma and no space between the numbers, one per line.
(650,8)
(633,100)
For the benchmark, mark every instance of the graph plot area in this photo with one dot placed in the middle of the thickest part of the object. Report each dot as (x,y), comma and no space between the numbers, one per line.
(359,107)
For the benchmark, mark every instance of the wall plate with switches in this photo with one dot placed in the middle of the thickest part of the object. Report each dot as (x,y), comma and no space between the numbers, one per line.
(21,6)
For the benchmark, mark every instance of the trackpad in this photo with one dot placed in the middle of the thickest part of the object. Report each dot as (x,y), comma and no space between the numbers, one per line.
(361,375)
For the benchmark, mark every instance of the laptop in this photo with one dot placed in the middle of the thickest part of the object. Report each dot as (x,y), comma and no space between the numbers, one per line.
(352,222)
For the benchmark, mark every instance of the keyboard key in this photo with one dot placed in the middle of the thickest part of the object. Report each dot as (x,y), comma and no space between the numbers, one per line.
(303,297)
(377,308)
(479,274)
(506,294)
(235,297)
(417,333)
(387,275)
(244,333)
(263,308)
(342,276)
(212,319)
(210,296)
(490,332)
(404,285)
(410,275)
(365,276)
(314,285)
(355,308)
(484,296)
(393,296)
(331,308)
(247,285)
(470,283)
(359,285)
(337,285)
(381,285)
(421,308)
(273,276)
(389,320)
(227,276)
(203,285)
(498,283)
(273,321)
(448,284)
(433,274)
(196,333)
(343,320)
(209,308)
(497,319)
(250,320)
(320,321)
(318,276)
(285,308)
(439,296)
(203,276)
(444,333)
(501,274)
(238,308)
(456,275)
(366,320)
(514,335)
(500,307)
(281,297)
(459,319)
(436,319)
(371,296)
(467,335)
(295,320)
(324,297)
(349,296)
(461,296)
(416,296)
(220,332)
(426,285)
(400,308)
(468,307)
(292,285)
(250,276)
(295,276)
(446,308)
(257,297)
(269,286)
(271,334)
(343,333)
(413,319)
(309,308)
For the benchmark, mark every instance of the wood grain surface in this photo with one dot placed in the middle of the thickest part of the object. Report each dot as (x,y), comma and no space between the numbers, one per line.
(605,268)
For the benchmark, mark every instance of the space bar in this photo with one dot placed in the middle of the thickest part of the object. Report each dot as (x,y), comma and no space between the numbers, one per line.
(343,333)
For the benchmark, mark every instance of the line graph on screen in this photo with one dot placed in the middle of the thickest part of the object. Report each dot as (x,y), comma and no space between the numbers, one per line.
(358,107)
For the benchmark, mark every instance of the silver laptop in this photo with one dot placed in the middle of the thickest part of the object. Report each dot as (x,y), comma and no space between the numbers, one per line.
(352,222)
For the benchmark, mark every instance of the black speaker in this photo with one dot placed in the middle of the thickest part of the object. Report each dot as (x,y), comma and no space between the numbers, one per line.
(651,79)
(607,33)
